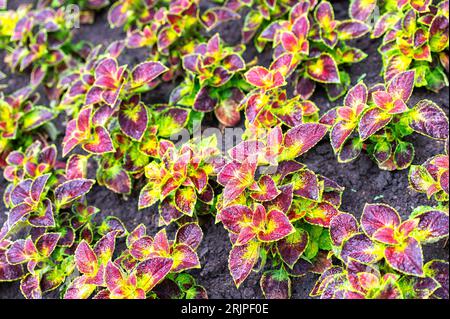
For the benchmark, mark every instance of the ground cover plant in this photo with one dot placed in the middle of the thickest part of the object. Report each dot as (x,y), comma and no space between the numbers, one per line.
(414,37)
(383,120)
(187,149)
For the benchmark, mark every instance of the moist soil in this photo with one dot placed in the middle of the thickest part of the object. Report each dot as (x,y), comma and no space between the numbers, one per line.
(364,182)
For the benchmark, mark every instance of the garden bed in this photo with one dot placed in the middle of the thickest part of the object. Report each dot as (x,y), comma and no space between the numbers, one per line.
(364,182)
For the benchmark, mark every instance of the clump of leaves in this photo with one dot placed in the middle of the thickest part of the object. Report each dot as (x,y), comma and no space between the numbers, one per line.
(75,87)
(33,162)
(41,39)
(112,84)
(431,177)
(364,281)
(317,41)
(277,217)
(268,105)
(83,4)
(40,188)
(169,29)
(45,200)
(114,122)
(117,169)
(180,179)
(378,120)
(415,37)
(212,82)
(8,21)
(129,13)
(258,14)
(383,257)
(149,267)
(20,116)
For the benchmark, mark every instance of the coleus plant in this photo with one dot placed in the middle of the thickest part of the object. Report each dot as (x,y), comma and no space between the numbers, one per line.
(167,28)
(111,120)
(104,82)
(146,262)
(41,39)
(268,104)
(378,120)
(415,37)
(180,179)
(44,198)
(317,42)
(363,281)
(37,159)
(283,215)
(78,85)
(114,122)
(20,115)
(129,13)
(212,82)
(43,261)
(39,189)
(116,170)
(260,14)
(382,257)
(431,177)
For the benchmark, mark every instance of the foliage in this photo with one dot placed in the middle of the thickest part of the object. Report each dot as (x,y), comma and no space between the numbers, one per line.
(317,42)
(283,215)
(268,105)
(180,180)
(114,122)
(378,120)
(431,177)
(212,83)
(169,29)
(143,265)
(382,258)
(20,116)
(415,37)
(153,130)
(259,15)
(45,199)
(40,39)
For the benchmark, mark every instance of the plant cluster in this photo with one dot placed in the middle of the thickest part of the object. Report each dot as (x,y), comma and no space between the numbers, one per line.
(382,257)
(64,239)
(169,29)
(283,219)
(212,82)
(431,178)
(146,262)
(279,217)
(310,33)
(378,120)
(415,37)
(20,116)
(40,39)
(45,198)
(180,181)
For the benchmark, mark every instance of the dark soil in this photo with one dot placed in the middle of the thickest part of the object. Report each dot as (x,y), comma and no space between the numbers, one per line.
(363,180)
